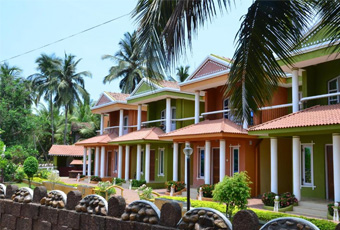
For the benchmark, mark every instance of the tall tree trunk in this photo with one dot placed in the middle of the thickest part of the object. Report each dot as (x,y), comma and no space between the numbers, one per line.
(52,119)
(65,131)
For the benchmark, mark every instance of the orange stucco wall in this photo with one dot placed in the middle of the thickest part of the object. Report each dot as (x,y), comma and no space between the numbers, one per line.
(132,114)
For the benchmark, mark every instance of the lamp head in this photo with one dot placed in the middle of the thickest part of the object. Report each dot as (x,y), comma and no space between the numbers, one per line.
(187,150)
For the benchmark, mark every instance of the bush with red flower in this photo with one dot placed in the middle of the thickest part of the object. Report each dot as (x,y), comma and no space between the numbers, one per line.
(179,185)
(287,199)
(207,190)
(268,198)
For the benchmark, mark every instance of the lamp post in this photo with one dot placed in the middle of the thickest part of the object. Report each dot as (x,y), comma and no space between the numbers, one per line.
(188,151)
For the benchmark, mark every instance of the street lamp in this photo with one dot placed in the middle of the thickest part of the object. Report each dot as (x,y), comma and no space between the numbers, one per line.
(188,151)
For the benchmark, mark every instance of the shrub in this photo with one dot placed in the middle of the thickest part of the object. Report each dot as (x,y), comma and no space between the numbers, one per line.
(9,171)
(138,183)
(233,191)
(268,198)
(287,199)
(30,168)
(207,190)
(82,176)
(119,181)
(145,193)
(44,173)
(179,185)
(330,208)
(19,174)
(96,178)
(54,178)
(101,189)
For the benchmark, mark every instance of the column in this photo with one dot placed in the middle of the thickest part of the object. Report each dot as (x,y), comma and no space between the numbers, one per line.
(295,89)
(121,119)
(207,162)
(96,167)
(102,162)
(147,163)
(120,161)
(127,162)
(89,162)
(84,161)
(168,115)
(185,165)
(197,107)
(336,165)
(175,162)
(139,156)
(139,117)
(101,124)
(273,166)
(222,159)
(296,167)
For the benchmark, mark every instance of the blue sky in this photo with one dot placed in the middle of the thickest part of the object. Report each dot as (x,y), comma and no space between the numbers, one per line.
(29,24)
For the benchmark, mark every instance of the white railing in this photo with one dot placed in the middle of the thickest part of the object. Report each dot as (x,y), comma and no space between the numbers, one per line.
(185,119)
(112,127)
(153,121)
(276,106)
(319,96)
(215,112)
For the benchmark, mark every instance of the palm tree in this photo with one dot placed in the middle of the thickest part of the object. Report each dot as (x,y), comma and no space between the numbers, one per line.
(70,88)
(269,28)
(182,73)
(45,82)
(8,74)
(131,64)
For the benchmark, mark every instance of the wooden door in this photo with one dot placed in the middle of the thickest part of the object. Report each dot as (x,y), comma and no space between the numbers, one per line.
(330,174)
(152,165)
(216,165)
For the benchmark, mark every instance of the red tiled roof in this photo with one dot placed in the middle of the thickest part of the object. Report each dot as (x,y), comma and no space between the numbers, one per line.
(143,134)
(314,116)
(78,162)
(66,150)
(168,84)
(208,127)
(102,139)
(118,96)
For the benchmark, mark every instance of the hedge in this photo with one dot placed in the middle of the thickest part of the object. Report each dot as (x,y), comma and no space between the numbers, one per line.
(263,215)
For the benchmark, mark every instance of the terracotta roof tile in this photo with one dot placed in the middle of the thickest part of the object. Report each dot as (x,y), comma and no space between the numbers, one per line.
(143,134)
(102,139)
(118,96)
(168,84)
(78,162)
(66,150)
(314,116)
(208,127)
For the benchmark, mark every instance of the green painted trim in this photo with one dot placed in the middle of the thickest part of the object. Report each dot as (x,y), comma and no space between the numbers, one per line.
(310,130)
(159,94)
(140,142)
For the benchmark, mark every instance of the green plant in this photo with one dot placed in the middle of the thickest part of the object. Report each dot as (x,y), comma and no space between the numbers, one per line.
(233,191)
(119,181)
(179,185)
(101,189)
(287,199)
(96,178)
(207,190)
(145,193)
(44,173)
(82,176)
(268,198)
(30,168)
(54,178)
(331,208)
(19,174)
(138,183)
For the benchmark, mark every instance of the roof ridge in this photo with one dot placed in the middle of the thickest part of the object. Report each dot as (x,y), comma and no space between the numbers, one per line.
(183,128)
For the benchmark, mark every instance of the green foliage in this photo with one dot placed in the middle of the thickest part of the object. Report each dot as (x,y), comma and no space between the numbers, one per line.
(330,208)
(145,193)
(233,191)
(101,189)
(207,190)
(138,183)
(9,171)
(18,153)
(268,198)
(119,181)
(96,178)
(30,168)
(179,185)
(44,173)
(19,174)
(287,199)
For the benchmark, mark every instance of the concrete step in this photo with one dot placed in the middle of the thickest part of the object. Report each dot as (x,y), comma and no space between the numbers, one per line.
(312,205)
(310,212)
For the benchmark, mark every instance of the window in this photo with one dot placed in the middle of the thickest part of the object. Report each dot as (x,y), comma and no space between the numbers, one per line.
(333,87)
(142,162)
(307,165)
(173,116)
(125,125)
(200,163)
(116,161)
(235,156)
(163,117)
(161,162)
(227,115)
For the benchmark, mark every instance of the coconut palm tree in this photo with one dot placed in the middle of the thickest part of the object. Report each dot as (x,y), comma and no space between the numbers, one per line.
(269,28)
(45,82)
(131,64)
(71,87)
(182,73)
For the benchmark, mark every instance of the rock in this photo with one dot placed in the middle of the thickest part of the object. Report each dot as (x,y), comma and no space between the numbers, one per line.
(186,218)
(83,208)
(146,220)
(60,204)
(245,219)
(201,212)
(43,200)
(103,211)
(78,208)
(171,213)
(193,218)
(153,220)
(210,213)
(133,216)
(289,223)
(116,206)
(183,225)
(27,199)
(150,212)
(73,198)
(125,216)
(135,208)
(205,222)
(141,212)
(220,224)
(10,190)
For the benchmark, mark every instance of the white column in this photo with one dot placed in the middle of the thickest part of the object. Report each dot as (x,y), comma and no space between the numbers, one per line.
(295,90)
(296,167)
(139,156)
(197,107)
(120,161)
(222,159)
(121,119)
(185,165)
(127,162)
(273,166)
(168,115)
(96,167)
(175,162)
(84,161)
(102,162)
(101,124)
(89,163)
(147,163)
(207,162)
(139,117)
(336,165)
